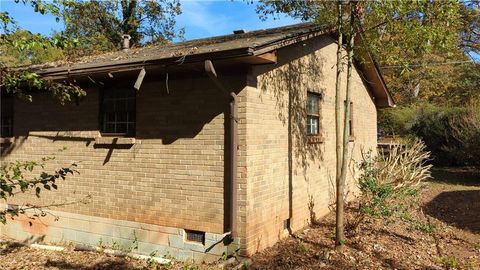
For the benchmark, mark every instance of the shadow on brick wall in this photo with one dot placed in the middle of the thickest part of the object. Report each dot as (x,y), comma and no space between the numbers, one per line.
(297,72)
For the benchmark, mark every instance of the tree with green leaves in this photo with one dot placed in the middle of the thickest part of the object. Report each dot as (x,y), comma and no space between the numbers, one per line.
(90,27)
(407,38)
(99,25)
(29,48)
(16,178)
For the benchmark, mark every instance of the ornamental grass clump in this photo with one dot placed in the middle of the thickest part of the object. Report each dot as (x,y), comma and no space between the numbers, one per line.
(389,180)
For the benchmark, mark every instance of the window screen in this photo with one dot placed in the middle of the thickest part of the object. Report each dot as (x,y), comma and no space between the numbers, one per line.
(118,111)
(350,120)
(313,114)
(6,116)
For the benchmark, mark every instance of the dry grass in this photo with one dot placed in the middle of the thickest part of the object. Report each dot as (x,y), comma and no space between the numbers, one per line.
(403,165)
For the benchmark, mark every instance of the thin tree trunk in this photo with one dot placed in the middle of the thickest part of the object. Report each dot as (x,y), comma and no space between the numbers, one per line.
(343,156)
(346,123)
(339,234)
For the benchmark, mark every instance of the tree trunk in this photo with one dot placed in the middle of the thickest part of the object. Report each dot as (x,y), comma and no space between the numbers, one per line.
(346,123)
(339,234)
(343,157)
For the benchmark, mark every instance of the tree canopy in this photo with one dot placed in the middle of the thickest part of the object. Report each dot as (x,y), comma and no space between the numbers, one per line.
(99,25)
(420,45)
(90,27)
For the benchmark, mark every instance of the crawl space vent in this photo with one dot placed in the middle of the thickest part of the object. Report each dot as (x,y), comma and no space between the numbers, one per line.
(195,236)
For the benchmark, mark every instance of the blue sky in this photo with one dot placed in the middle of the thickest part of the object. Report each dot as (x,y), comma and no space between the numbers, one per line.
(199,18)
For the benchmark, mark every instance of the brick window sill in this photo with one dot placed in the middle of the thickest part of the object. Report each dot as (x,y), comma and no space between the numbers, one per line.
(315,139)
(113,140)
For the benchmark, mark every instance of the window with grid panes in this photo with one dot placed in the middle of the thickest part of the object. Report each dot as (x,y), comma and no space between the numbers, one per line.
(118,111)
(6,116)
(350,120)
(313,114)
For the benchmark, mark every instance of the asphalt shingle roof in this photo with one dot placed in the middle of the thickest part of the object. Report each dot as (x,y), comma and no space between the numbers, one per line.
(250,40)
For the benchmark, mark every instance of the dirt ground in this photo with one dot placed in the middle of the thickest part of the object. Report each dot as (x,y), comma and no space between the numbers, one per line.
(442,233)
(20,257)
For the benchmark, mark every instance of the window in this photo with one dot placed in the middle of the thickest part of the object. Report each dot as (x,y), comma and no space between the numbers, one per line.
(118,111)
(350,121)
(6,116)
(313,114)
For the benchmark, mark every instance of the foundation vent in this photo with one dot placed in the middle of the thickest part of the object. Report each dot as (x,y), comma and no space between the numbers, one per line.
(195,236)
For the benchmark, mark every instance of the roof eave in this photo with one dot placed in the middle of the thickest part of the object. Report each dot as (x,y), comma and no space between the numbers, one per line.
(368,65)
(130,64)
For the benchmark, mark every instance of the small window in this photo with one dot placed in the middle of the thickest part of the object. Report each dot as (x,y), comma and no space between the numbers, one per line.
(313,114)
(6,116)
(118,111)
(350,121)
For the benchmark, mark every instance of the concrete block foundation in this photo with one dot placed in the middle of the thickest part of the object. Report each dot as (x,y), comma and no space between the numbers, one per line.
(129,236)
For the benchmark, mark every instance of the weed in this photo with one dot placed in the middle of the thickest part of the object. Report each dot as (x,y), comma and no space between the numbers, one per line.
(303,248)
(190,266)
(169,256)
(424,227)
(449,262)
(224,256)
(171,259)
(115,245)
(101,243)
(332,235)
(152,264)
(134,245)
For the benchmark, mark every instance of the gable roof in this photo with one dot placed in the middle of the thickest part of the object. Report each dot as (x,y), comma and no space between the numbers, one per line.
(234,46)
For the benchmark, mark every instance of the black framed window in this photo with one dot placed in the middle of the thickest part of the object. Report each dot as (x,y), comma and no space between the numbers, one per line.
(350,120)
(6,115)
(313,114)
(118,111)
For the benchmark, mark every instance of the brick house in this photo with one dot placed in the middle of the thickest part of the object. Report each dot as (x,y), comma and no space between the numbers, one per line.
(226,135)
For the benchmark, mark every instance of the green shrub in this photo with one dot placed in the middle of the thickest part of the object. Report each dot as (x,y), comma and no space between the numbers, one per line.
(398,121)
(451,134)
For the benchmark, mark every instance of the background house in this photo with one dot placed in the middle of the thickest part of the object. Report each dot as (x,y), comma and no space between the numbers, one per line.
(159,162)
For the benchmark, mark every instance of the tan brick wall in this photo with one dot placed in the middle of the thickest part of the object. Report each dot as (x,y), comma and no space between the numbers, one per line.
(274,159)
(172,176)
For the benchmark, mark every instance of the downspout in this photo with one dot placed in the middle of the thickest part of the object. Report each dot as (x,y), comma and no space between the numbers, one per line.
(232,97)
